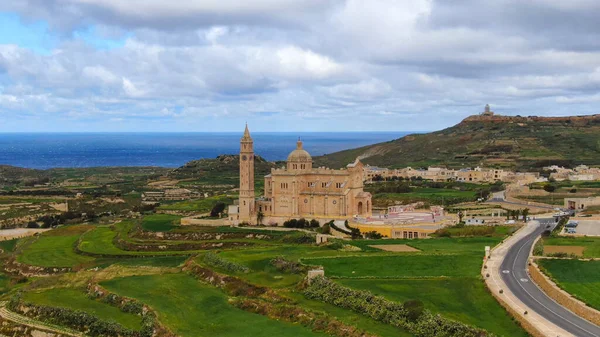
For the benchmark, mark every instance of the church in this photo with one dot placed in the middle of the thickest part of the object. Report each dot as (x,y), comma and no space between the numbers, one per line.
(298,190)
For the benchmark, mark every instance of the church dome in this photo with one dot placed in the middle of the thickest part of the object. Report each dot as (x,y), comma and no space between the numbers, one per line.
(299,154)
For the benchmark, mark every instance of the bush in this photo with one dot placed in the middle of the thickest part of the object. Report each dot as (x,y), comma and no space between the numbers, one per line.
(217,209)
(425,323)
(301,223)
(287,266)
(373,235)
(301,238)
(326,229)
(32,224)
(215,260)
(414,309)
(549,188)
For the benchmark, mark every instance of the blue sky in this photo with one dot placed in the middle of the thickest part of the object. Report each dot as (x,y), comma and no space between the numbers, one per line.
(292,65)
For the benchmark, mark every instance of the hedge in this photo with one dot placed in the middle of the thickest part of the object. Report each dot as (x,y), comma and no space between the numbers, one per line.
(424,325)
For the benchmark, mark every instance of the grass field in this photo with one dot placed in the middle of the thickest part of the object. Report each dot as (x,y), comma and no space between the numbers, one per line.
(579,278)
(77,300)
(53,251)
(592,245)
(8,246)
(428,195)
(438,245)
(100,241)
(199,205)
(406,265)
(263,273)
(160,222)
(463,299)
(194,309)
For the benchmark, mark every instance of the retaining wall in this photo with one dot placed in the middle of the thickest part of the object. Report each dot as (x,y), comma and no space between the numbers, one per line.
(561,296)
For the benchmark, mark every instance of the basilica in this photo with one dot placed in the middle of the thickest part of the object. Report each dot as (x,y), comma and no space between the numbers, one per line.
(298,190)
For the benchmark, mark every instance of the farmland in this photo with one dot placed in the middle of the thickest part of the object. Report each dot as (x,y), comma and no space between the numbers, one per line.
(150,260)
(579,278)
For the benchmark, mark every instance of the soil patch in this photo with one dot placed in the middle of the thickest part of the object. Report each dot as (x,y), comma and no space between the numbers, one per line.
(396,248)
(577,250)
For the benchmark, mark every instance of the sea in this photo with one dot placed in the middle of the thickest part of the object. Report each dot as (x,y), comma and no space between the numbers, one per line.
(79,150)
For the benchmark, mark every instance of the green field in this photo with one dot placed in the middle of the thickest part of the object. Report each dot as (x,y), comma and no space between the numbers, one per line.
(53,251)
(579,278)
(399,266)
(437,246)
(437,196)
(463,299)
(592,245)
(100,241)
(77,300)
(199,205)
(194,309)
(160,222)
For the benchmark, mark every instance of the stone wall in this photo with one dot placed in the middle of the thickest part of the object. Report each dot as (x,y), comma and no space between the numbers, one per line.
(203,222)
(561,296)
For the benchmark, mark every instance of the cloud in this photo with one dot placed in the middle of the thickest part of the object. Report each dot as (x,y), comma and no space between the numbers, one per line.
(298,64)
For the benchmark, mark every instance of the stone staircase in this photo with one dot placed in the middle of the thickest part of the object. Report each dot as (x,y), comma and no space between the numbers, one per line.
(23,320)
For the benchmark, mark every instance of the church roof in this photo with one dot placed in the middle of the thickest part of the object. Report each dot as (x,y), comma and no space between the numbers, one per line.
(299,154)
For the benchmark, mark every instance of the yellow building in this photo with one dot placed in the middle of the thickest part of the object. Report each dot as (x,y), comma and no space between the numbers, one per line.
(299,190)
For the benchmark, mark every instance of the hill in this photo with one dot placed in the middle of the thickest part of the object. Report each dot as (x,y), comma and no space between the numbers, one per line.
(223,167)
(499,141)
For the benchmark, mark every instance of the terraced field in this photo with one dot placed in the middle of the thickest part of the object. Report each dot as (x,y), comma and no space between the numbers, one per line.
(443,274)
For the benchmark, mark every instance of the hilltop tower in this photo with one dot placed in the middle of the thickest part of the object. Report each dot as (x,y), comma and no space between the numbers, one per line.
(246,199)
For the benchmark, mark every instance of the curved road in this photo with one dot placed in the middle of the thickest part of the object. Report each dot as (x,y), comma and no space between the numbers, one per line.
(514,273)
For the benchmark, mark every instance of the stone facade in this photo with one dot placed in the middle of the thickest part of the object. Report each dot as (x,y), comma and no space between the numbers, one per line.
(300,191)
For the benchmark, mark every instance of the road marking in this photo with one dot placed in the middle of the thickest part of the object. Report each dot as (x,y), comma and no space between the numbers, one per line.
(533,298)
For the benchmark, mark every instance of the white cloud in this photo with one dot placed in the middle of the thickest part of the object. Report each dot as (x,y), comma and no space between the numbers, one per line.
(431,61)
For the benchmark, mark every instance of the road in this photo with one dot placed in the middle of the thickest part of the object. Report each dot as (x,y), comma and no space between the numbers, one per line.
(500,197)
(514,274)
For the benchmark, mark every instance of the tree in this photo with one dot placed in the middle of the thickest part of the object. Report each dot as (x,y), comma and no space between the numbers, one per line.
(549,188)
(525,213)
(217,209)
(460,216)
(259,217)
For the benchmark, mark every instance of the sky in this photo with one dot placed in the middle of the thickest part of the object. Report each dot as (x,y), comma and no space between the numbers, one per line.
(292,65)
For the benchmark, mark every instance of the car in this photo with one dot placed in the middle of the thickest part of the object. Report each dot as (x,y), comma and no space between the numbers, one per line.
(571,231)
(571,224)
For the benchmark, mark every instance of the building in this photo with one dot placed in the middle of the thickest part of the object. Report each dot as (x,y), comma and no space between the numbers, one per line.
(487,111)
(298,190)
(581,203)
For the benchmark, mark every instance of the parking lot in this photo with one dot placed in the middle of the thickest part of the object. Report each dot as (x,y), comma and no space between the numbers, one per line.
(588,227)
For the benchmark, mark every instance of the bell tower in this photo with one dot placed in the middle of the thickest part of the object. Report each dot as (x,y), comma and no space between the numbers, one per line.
(246,199)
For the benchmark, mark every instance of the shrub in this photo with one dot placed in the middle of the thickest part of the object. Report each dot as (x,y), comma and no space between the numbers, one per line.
(301,238)
(414,309)
(538,249)
(373,235)
(287,266)
(549,188)
(215,260)
(217,209)
(326,229)
(301,223)
(425,324)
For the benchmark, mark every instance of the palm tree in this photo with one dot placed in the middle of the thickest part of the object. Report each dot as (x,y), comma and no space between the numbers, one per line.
(259,217)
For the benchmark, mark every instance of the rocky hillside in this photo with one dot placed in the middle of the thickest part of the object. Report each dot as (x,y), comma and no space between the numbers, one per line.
(501,141)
